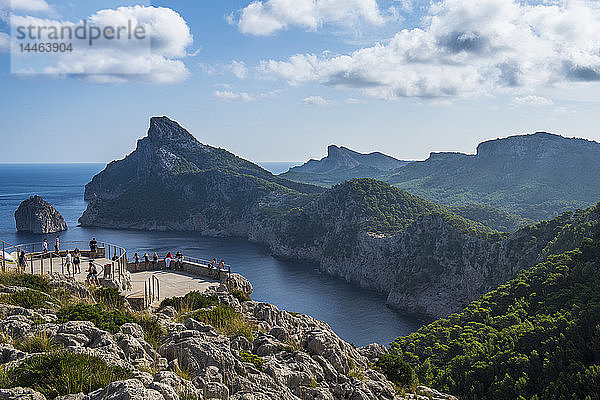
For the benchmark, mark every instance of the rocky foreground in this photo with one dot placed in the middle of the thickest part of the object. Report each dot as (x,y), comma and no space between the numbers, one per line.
(287,356)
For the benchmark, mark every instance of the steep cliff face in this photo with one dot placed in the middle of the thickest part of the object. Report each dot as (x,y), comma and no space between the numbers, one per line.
(173,182)
(426,258)
(38,216)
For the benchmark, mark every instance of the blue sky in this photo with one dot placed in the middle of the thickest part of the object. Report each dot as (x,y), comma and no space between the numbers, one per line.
(272,82)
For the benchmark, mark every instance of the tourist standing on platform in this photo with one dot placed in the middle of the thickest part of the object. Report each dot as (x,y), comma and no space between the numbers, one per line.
(76,261)
(57,245)
(220,267)
(93,248)
(92,277)
(45,246)
(68,260)
(136,260)
(146,262)
(22,260)
(155,261)
(179,258)
(168,260)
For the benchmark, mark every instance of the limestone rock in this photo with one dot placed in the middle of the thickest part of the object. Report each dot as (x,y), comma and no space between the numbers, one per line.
(38,216)
(20,394)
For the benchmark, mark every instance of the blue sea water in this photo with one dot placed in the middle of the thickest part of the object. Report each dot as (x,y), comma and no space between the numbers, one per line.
(357,315)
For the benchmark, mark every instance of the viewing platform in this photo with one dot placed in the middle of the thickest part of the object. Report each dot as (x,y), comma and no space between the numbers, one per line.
(144,285)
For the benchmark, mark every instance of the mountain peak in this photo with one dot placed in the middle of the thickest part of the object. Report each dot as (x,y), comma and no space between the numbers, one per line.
(164,129)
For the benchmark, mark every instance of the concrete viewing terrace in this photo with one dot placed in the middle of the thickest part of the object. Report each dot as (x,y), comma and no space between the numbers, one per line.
(142,285)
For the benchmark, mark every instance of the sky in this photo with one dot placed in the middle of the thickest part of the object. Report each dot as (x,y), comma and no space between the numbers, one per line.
(280,80)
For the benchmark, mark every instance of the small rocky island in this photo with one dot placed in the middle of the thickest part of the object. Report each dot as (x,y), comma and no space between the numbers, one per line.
(36,215)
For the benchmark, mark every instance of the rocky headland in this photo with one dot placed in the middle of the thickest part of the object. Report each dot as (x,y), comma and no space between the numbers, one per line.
(427,259)
(36,215)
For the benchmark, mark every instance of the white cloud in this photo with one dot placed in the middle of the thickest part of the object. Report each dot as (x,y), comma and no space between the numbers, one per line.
(26,5)
(4,43)
(317,101)
(158,59)
(465,48)
(239,69)
(532,101)
(270,16)
(352,100)
(228,95)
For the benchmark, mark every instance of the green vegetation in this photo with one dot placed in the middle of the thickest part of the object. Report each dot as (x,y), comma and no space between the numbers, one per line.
(396,370)
(535,337)
(240,295)
(226,320)
(61,373)
(153,330)
(34,282)
(336,218)
(108,320)
(492,217)
(190,302)
(253,359)
(30,299)
(110,298)
(38,343)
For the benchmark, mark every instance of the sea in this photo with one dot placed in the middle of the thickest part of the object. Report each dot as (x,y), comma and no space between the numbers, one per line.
(357,315)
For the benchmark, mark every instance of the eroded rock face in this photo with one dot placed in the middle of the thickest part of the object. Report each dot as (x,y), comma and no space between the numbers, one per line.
(20,394)
(35,215)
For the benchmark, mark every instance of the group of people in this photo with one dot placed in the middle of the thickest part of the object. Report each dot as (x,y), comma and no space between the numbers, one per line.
(72,259)
(171,262)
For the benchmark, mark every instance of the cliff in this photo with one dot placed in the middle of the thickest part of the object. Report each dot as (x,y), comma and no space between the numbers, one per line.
(38,216)
(426,258)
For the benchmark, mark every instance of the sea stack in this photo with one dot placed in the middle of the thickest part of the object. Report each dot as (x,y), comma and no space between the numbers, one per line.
(35,215)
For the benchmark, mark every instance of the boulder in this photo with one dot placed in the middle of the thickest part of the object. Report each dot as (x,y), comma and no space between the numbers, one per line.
(238,282)
(35,215)
(131,389)
(20,394)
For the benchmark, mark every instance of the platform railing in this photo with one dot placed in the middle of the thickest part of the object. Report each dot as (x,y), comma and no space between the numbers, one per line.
(196,266)
(10,258)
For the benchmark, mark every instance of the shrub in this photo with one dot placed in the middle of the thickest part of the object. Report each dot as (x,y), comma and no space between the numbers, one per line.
(107,320)
(226,320)
(240,295)
(190,302)
(108,297)
(61,373)
(396,370)
(31,299)
(35,282)
(38,343)
(253,359)
(153,330)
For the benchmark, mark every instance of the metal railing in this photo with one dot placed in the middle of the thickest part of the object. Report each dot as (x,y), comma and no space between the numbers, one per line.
(10,258)
(151,291)
(209,266)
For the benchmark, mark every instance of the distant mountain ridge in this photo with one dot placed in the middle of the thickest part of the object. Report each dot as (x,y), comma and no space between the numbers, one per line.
(342,164)
(535,176)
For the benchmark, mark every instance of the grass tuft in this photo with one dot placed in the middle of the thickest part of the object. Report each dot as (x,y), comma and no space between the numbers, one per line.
(61,373)
(226,321)
(38,343)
